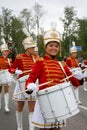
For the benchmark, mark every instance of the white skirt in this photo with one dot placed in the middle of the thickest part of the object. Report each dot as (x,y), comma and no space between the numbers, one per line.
(20,86)
(5,77)
(38,120)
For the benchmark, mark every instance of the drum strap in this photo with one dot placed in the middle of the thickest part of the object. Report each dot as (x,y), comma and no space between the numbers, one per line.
(9,62)
(33,59)
(62,69)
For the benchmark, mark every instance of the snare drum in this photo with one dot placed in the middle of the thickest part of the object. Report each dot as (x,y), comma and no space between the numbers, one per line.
(22,81)
(58,102)
(73,70)
(20,86)
(5,77)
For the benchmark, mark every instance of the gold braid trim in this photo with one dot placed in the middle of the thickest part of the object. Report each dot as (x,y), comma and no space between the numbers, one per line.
(19,56)
(63,63)
(39,59)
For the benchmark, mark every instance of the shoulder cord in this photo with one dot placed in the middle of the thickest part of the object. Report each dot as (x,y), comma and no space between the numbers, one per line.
(62,69)
(33,59)
(9,62)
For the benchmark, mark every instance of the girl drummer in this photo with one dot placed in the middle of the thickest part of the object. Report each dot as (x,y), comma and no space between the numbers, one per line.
(73,64)
(4,64)
(21,66)
(47,69)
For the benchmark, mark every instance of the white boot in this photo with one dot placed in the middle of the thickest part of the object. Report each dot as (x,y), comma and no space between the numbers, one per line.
(77,96)
(6,99)
(31,127)
(0,100)
(19,120)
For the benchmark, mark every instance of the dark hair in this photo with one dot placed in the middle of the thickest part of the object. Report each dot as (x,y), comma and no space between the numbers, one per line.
(52,41)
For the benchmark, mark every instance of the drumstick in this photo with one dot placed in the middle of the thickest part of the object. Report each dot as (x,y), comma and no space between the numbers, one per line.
(71,75)
(27,71)
(38,86)
(15,79)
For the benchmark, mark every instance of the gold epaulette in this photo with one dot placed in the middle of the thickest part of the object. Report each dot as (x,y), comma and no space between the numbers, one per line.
(85,60)
(69,58)
(19,56)
(63,63)
(10,59)
(39,59)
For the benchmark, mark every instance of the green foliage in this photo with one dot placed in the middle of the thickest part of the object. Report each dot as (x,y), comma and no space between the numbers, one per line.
(17,34)
(75,29)
(70,29)
(82,32)
(40,45)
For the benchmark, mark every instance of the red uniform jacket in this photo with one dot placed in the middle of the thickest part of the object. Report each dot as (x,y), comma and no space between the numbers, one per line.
(4,63)
(85,62)
(48,69)
(72,62)
(23,62)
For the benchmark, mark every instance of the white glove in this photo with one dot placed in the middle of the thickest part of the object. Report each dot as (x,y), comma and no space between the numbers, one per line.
(85,73)
(79,75)
(85,66)
(18,72)
(32,86)
(82,65)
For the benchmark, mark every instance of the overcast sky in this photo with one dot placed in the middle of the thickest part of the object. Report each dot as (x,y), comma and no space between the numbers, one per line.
(54,9)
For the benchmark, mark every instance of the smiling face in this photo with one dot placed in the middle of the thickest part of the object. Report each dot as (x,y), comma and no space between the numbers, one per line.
(52,48)
(5,53)
(30,51)
(74,54)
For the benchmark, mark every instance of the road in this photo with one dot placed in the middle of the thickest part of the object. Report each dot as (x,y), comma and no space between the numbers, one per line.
(79,122)
(8,120)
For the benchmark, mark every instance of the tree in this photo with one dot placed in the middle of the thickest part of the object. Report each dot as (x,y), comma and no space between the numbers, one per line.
(11,26)
(40,45)
(82,33)
(17,34)
(38,12)
(70,28)
(5,22)
(27,19)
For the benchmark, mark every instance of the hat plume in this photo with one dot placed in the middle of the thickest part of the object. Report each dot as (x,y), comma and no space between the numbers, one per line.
(26,32)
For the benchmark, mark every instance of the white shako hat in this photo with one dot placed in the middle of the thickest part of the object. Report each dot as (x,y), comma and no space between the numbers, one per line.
(73,48)
(4,46)
(52,34)
(28,42)
(36,48)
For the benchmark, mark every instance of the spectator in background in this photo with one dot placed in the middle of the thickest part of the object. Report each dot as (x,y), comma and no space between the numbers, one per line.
(81,61)
(64,59)
(13,53)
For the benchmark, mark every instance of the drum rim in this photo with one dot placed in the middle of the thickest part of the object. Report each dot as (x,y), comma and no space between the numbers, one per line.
(50,89)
